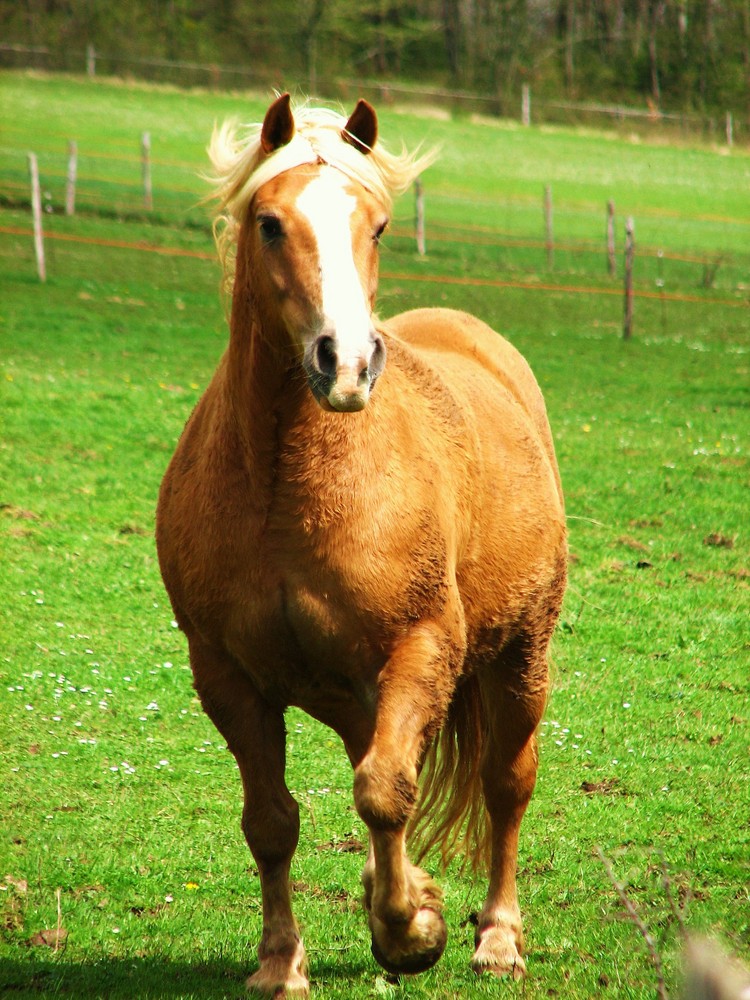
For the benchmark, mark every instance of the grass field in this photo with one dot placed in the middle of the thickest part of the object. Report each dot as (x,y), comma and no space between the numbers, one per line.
(120,805)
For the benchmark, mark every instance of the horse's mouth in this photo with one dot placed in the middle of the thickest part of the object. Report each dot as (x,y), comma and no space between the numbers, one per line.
(333,397)
(343,402)
(343,384)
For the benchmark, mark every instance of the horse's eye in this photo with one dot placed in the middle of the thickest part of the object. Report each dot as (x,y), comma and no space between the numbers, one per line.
(270,228)
(379,231)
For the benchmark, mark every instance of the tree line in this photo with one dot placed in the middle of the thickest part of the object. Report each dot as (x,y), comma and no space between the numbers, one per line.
(672,55)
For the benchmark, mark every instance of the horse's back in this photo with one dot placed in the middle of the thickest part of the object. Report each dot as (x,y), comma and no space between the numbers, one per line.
(451,341)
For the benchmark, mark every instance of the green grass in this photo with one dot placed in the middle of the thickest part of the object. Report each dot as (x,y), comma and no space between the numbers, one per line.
(117,791)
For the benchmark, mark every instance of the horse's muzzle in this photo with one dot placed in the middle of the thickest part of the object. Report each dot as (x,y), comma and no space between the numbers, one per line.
(341,384)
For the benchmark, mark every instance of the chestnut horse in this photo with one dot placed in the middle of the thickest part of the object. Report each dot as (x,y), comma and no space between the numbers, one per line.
(364,519)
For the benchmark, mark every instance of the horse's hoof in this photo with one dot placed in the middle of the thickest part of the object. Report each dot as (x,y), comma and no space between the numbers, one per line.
(497,952)
(409,948)
(281,976)
(262,985)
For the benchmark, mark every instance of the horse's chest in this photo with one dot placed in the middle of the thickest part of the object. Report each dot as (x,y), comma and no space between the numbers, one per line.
(326,598)
(339,560)
(356,568)
(306,643)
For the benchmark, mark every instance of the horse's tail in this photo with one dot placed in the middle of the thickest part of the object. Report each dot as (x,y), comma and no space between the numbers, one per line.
(451,815)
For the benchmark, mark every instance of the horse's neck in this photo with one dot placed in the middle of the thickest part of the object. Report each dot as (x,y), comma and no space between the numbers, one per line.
(270,402)
(257,382)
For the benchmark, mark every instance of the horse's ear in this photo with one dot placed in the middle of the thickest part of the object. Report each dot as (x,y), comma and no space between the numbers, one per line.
(361,131)
(278,125)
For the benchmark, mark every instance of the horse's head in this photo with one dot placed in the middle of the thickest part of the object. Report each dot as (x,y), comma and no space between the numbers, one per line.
(310,195)
(314,233)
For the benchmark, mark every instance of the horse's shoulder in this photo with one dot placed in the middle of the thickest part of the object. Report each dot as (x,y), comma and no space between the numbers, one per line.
(464,352)
(442,336)
(451,330)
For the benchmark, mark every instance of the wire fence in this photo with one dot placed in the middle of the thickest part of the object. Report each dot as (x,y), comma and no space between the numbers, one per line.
(454,259)
(456,254)
(560,284)
(729,127)
(514,245)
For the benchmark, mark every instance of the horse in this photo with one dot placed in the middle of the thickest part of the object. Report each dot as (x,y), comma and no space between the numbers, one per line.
(364,519)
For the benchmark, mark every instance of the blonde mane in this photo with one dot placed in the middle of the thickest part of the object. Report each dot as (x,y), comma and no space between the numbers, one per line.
(241,168)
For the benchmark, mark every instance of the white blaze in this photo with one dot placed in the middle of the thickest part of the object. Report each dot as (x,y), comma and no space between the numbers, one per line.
(329,208)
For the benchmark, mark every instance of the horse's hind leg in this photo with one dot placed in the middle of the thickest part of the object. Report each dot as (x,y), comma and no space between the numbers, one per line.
(404,905)
(514,692)
(254,731)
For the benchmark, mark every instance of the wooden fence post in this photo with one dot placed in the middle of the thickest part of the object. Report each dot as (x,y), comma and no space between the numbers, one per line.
(627,324)
(419,219)
(550,241)
(526,104)
(148,198)
(36,211)
(660,286)
(70,182)
(730,129)
(90,60)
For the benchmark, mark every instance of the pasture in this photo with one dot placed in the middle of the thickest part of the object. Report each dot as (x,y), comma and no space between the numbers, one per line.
(119,803)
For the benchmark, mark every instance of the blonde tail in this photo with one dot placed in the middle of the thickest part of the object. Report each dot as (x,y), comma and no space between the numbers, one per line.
(451,815)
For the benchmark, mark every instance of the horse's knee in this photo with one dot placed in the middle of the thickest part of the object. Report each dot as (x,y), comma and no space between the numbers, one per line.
(508,778)
(384,796)
(271,831)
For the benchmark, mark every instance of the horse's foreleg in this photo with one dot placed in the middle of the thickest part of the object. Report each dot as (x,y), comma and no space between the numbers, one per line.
(514,696)
(404,904)
(254,731)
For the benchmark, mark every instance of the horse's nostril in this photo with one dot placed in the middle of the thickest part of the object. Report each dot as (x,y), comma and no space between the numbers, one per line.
(325,356)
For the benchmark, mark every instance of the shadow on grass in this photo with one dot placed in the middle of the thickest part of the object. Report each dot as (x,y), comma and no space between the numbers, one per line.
(147,978)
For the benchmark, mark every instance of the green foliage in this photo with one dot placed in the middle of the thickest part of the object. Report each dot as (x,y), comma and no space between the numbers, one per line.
(118,793)
(679,55)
